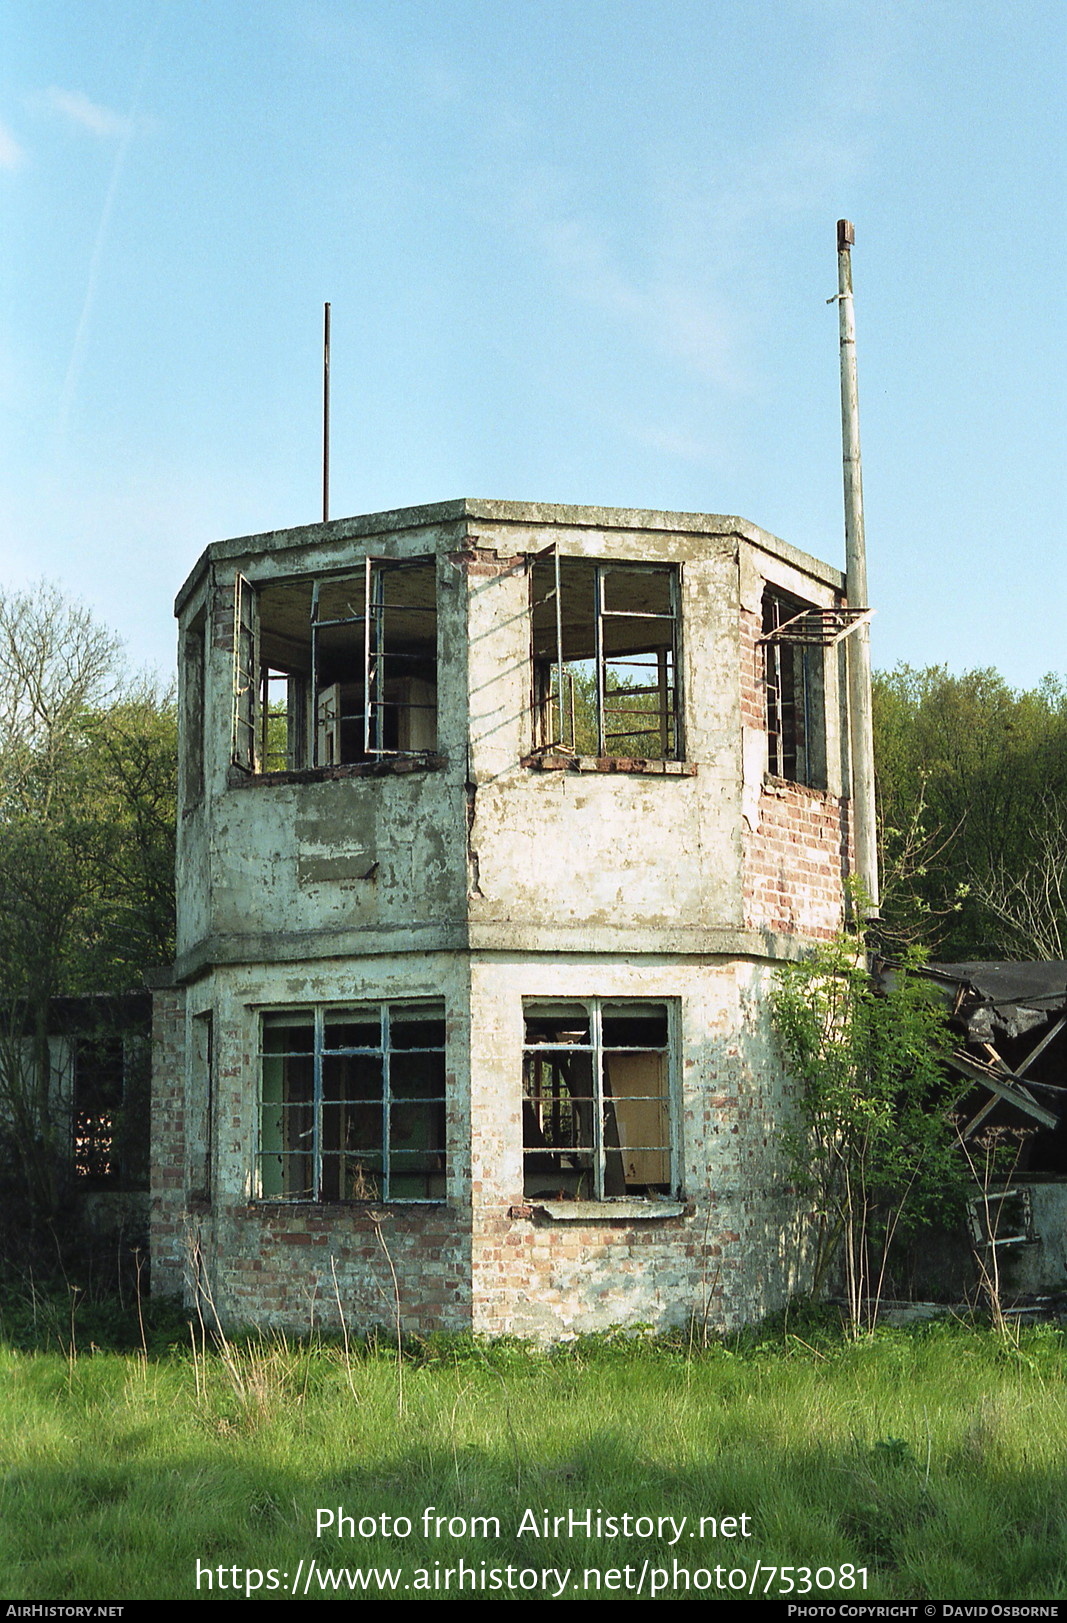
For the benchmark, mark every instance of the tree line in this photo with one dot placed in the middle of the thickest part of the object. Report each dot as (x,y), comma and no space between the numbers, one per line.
(972,793)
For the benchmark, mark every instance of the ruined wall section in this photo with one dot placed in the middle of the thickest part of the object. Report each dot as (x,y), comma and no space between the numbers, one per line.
(302,1267)
(320,862)
(796,863)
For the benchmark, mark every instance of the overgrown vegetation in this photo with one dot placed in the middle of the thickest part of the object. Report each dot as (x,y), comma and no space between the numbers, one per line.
(873,1145)
(930,1458)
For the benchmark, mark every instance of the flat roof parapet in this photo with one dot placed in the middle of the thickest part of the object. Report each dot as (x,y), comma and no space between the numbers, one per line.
(399,519)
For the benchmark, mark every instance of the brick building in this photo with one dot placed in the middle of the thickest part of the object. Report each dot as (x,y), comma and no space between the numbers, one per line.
(495,820)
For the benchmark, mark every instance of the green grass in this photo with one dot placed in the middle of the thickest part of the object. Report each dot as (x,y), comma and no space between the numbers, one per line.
(933,1458)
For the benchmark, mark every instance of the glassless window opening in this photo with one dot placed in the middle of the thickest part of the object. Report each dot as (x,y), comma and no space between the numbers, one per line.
(792,674)
(596,1100)
(110,1117)
(353,1103)
(338,670)
(606,658)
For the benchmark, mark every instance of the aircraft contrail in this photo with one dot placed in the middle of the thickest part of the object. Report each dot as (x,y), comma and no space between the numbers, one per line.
(77,354)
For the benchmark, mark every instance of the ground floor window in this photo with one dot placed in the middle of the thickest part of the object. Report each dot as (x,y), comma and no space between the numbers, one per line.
(353,1103)
(596,1099)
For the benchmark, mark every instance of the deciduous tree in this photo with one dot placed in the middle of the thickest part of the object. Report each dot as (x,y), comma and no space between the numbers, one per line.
(87,796)
(972,780)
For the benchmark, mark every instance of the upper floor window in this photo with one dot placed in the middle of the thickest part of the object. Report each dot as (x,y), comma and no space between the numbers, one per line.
(596,1100)
(793,683)
(352,1103)
(606,653)
(336,670)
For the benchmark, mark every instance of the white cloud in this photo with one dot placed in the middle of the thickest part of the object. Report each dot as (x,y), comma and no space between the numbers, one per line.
(678,442)
(11,154)
(667,306)
(72,104)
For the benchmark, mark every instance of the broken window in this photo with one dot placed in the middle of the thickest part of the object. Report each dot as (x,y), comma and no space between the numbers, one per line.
(606,658)
(596,1100)
(792,675)
(353,1103)
(110,1114)
(336,670)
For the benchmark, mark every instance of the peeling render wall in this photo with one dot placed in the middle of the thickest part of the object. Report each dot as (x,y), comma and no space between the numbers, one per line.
(732,1255)
(485,876)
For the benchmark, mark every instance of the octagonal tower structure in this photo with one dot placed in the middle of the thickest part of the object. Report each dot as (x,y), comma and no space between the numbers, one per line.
(495,821)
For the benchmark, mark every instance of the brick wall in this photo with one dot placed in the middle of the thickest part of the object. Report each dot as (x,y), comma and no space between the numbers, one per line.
(796,862)
(798,857)
(168,1141)
(301,1266)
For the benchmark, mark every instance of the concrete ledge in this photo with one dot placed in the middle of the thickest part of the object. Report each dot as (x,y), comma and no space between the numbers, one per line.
(607,1211)
(390,766)
(551,762)
(489,939)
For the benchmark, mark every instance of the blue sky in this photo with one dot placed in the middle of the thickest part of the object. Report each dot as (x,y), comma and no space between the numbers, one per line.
(576,251)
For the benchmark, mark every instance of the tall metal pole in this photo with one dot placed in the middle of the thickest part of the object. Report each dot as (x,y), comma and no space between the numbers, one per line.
(861,733)
(325,413)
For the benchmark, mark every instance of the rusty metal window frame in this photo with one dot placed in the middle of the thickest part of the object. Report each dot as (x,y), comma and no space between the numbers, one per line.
(379,656)
(315,1171)
(795,638)
(358,620)
(604,1123)
(245,674)
(257,682)
(785,676)
(555,704)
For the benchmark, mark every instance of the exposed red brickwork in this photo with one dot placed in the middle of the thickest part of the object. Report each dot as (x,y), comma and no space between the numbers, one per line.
(222,618)
(796,862)
(799,857)
(289,1264)
(753,699)
(541,1276)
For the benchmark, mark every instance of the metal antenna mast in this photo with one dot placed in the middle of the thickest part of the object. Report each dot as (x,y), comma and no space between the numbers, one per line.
(859,650)
(325,413)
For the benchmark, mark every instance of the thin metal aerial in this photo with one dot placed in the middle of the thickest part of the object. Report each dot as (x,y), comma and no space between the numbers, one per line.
(325,413)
